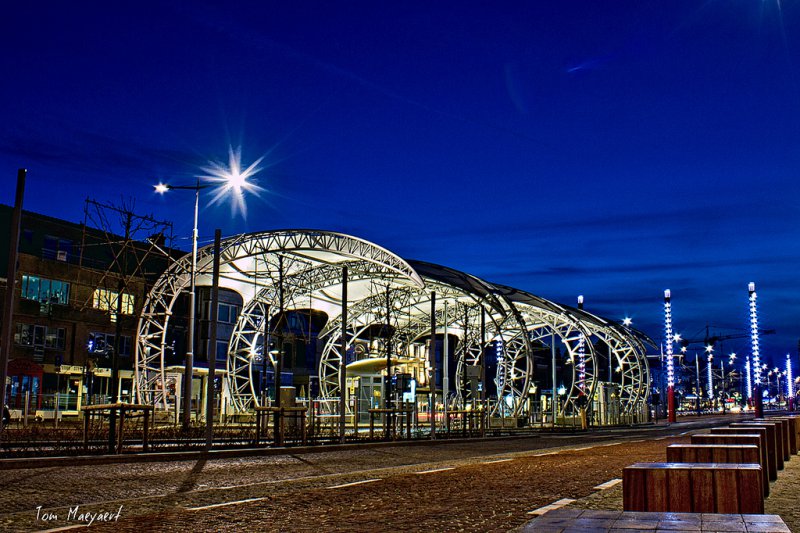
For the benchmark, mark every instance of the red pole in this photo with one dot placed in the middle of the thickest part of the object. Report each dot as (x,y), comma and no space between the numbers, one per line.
(671,404)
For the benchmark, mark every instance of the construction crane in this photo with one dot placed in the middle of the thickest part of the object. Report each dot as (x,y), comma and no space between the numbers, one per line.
(711,340)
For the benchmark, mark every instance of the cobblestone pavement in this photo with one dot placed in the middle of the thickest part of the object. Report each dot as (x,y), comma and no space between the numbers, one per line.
(474,486)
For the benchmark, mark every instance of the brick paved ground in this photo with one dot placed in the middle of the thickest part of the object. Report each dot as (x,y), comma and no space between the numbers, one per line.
(293,493)
(473,496)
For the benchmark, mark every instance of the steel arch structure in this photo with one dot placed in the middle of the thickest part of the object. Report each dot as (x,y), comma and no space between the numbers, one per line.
(240,258)
(302,269)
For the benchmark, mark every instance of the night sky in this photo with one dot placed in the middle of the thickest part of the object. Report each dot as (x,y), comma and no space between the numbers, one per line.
(611,149)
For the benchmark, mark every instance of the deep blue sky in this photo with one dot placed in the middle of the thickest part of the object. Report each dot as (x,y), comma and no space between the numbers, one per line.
(612,149)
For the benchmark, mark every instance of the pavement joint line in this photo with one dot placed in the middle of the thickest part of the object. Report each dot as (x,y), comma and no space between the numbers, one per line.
(608,484)
(581,449)
(436,470)
(225,504)
(497,461)
(353,483)
(607,445)
(65,528)
(543,454)
(555,505)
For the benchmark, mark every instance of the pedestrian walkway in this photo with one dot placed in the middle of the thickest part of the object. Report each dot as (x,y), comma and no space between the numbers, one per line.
(581,521)
(781,502)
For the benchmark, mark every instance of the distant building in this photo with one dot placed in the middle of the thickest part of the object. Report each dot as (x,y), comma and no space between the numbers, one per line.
(65,317)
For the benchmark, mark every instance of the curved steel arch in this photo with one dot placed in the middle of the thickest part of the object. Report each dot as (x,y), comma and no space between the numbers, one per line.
(312,262)
(302,246)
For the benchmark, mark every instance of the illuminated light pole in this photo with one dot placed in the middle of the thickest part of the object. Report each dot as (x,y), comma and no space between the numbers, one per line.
(709,371)
(229,180)
(777,383)
(759,403)
(627,322)
(670,362)
(188,370)
(747,368)
(581,355)
(789,382)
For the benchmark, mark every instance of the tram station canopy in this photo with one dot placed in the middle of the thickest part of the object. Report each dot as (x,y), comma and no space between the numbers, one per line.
(408,303)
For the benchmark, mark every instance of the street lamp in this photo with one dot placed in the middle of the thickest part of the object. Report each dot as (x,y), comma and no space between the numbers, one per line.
(228,180)
(161,188)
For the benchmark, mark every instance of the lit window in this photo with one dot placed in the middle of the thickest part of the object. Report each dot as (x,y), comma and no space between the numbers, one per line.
(43,290)
(106,300)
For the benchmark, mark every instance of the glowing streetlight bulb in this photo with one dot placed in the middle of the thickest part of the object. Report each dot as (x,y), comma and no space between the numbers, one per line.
(161,188)
(232,180)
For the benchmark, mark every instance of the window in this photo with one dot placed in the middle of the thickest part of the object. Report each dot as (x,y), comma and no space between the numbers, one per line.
(55,338)
(106,300)
(228,313)
(40,336)
(222,350)
(55,248)
(103,344)
(45,290)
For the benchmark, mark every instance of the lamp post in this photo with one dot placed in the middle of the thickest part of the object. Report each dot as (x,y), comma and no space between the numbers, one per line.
(709,371)
(789,383)
(670,362)
(582,355)
(232,180)
(188,370)
(759,405)
(749,379)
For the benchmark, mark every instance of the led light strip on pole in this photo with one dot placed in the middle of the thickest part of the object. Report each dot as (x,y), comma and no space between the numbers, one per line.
(710,377)
(747,368)
(670,363)
(581,354)
(759,405)
(789,382)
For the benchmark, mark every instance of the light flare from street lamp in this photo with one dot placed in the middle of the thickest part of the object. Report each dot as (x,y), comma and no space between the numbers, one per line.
(161,188)
(232,180)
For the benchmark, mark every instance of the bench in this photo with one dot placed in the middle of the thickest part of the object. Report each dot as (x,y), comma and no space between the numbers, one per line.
(794,432)
(775,458)
(693,488)
(752,436)
(779,439)
(782,427)
(718,453)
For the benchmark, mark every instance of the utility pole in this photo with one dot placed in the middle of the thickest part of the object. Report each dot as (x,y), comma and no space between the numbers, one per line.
(699,387)
(446,372)
(112,419)
(11,277)
(388,341)
(432,357)
(343,361)
(553,361)
(212,350)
